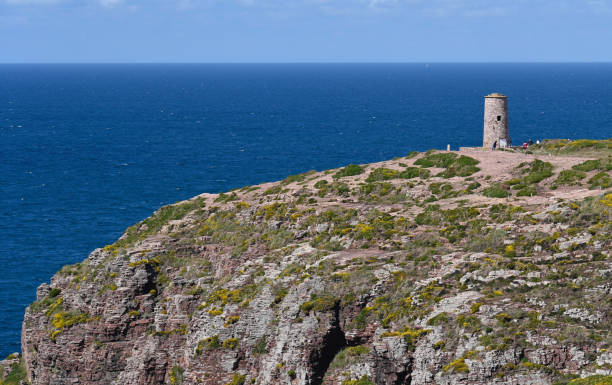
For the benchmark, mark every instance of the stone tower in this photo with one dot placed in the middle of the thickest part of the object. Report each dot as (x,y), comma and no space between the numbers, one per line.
(496,121)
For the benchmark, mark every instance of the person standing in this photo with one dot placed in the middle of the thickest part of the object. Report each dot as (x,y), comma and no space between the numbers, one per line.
(494,145)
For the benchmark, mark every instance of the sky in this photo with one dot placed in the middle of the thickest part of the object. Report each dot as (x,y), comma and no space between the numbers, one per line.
(102,31)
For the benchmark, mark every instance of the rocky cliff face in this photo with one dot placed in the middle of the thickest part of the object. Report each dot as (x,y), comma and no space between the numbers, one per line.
(436,268)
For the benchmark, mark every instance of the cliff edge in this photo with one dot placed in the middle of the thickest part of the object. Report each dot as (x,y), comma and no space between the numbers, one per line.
(435,268)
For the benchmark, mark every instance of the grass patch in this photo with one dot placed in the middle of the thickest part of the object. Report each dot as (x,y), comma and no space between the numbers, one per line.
(568,178)
(592,380)
(532,173)
(600,180)
(455,165)
(382,174)
(17,375)
(496,191)
(602,164)
(414,172)
(350,170)
(566,146)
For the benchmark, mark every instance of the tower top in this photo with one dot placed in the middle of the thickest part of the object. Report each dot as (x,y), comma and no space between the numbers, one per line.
(496,95)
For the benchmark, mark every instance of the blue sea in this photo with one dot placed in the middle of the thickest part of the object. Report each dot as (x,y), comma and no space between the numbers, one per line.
(87,150)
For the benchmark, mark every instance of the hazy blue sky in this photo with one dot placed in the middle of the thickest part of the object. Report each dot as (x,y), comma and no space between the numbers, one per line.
(305,30)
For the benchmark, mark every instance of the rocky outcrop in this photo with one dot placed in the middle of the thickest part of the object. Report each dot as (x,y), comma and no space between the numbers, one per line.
(381,274)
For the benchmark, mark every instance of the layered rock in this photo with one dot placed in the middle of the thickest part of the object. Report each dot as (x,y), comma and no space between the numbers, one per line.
(401,272)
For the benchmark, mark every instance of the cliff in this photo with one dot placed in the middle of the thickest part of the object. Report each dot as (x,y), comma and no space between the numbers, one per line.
(435,268)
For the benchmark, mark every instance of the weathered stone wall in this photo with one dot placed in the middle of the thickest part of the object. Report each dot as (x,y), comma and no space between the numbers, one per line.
(495,120)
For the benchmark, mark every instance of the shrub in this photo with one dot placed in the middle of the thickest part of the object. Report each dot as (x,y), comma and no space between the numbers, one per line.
(414,172)
(273,190)
(382,173)
(320,303)
(527,191)
(602,164)
(231,343)
(223,198)
(261,346)
(209,343)
(297,178)
(496,191)
(433,216)
(443,190)
(568,178)
(458,365)
(570,146)
(356,351)
(438,319)
(462,166)
(440,160)
(533,173)
(364,380)
(410,336)
(176,375)
(601,180)
(493,240)
(454,165)
(592,380)
(237,379)
(350,170)
(16,376)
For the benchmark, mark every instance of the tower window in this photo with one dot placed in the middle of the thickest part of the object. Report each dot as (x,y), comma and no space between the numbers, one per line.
(499,118)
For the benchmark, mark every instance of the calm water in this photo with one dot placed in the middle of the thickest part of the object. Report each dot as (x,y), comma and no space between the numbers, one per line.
(87,150)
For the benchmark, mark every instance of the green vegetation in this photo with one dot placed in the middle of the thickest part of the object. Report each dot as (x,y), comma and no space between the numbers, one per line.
(350,170)
(443,190)
(297,178)
(209,343)
(261,346)
(496,191)
(459,365)
(414,172)
(531,173)
(176,375)
(277,189)
(565,146)
(410,336)
(364,380)
(231,343)
(600,180)
(224,198)
(382,174)
(16,376)
(401,258)
(320,303)
(433,216)
(601,164)
(592,380)
(568,178)
(349,356)
(237,379)
(153,224)
(455,165)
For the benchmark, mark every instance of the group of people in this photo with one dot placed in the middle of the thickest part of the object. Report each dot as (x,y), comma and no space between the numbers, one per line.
(525,144)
